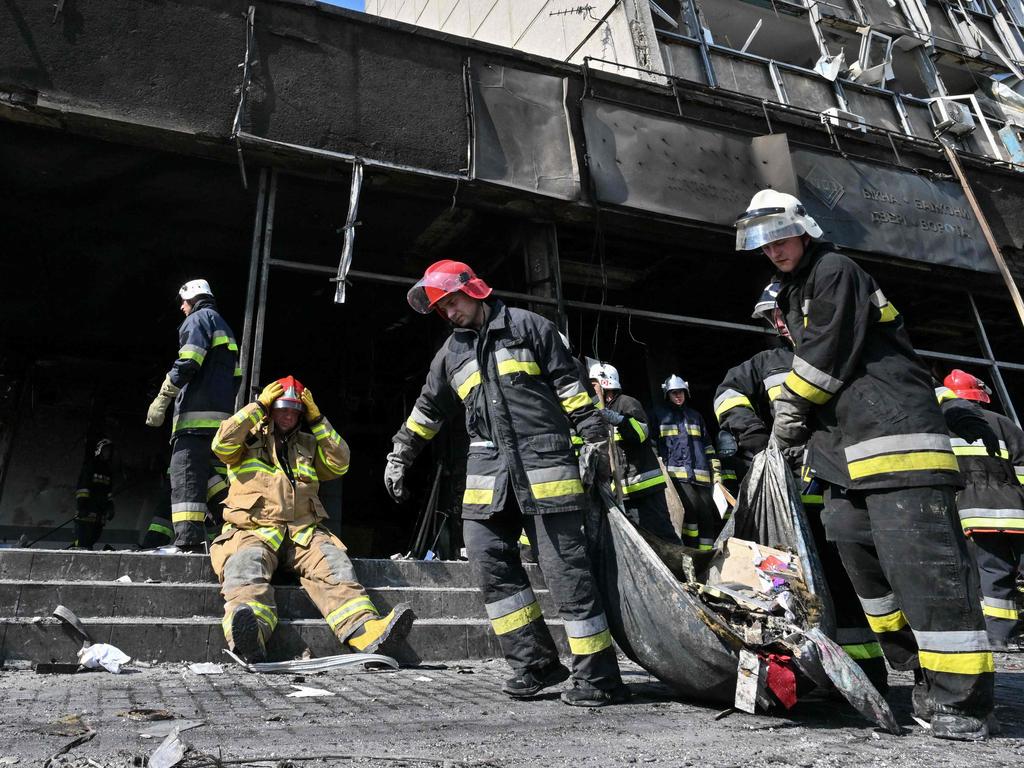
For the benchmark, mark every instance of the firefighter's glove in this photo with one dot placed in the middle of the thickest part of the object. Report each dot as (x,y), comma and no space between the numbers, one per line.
(399,460)
(158,408)
(594,463)
(974,429)
(312,412)
(790,426)
(611,417)
(270,393)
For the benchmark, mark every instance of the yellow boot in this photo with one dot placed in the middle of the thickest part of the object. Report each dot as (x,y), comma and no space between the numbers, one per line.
(383,634)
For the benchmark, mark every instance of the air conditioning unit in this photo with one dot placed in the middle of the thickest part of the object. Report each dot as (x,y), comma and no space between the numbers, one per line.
(843,119)
(951,116)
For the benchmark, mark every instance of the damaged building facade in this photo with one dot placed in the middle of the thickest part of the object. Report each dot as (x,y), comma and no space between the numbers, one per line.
(587,159)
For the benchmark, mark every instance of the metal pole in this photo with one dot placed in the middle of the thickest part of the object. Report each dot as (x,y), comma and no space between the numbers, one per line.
(1004,270)
(997,376)
(250,294)
(261,312)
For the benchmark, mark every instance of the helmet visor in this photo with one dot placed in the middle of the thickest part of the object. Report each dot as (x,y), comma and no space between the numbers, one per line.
(433,287)
(758,233)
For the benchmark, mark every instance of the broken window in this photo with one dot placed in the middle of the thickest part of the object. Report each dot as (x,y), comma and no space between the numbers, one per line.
(780,31)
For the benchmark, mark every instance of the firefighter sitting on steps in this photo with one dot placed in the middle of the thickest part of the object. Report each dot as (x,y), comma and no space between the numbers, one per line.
(273,517)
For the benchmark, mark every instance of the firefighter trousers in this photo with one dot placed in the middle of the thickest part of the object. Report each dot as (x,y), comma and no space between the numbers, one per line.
(245,561)
(88,528)
(907,559)
(650,512)
(701,521)
(198,488)
(515,615)
(998,556)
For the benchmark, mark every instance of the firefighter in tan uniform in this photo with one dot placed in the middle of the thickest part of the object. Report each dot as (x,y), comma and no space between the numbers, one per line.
(272,518)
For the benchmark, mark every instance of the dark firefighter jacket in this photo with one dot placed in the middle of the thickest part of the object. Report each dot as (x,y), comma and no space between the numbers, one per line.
(522,392)
(873,417)
(992,500)
(685,445)
(743,399)
(206,370)
(641,472)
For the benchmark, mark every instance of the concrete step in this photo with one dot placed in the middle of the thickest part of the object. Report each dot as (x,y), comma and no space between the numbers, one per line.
(64,565)
(201,639)
(107,599)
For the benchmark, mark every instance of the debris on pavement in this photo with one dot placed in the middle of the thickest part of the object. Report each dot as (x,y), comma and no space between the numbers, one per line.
(110,657)
(126,579)
(206,668)
(72,624)
(57,668)
(147,715)
(170,752)
(166,727)
(302,692)
(321,664)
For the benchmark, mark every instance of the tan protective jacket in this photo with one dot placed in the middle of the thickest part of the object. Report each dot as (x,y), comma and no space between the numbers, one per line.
(271,491)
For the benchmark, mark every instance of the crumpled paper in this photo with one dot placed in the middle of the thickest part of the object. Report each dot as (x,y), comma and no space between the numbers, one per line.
(102,655)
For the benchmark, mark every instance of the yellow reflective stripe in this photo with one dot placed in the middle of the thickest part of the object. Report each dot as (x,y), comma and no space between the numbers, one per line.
(918,461)
(638,429)
(188,517)
(669,431)
(346,610)
(585,646)
(303,536)
(190,355)
(478,496)
(806,390)
(1000,613)
(774,392)
(889,314)
(157,528)
(467,386)
(554,488)
(224,449)
(969,663)
(575,402)
(649,483)
(506,367)
(524,539)
(510,622)
(812,498)
(863,651)
(271,535)
(993,523)
(889,622)
(978,450)
(264,612)
(425,432)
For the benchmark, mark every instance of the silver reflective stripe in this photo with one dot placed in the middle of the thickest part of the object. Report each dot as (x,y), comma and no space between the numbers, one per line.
(957,641)
(192,348)
(995,602)
(520,354)
(586,627)
(205,415)
(508,605)
(879,606)
(467,370)
(571,390)
(189,506)
(917,441)
(806,307)
(547,475)
(423,420)
(958,442)
(684,471)
(997,513)
(634,479)
(482,444)
(774,380)
(854,635)
(479,482)
(817,377)
(878,299)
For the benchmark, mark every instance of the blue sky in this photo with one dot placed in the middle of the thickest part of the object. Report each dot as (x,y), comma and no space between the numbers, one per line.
(355,5)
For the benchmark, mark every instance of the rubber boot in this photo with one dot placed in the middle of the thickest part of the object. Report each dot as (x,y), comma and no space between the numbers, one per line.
(531,682)
(586,695)
(381,635)
(245,635)
(960,727)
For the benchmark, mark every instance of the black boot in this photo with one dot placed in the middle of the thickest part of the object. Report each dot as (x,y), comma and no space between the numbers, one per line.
(531,682)
(586,695)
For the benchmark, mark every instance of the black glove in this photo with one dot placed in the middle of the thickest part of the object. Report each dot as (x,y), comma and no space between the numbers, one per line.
(754,443)
(611,417)
(399,460)
(975,428)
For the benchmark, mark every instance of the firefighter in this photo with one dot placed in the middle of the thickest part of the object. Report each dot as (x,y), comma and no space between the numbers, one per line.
(689,455)
(863,402)
(273,518)
(93,504)
(643,482)
(520,391)
(991,506)
(743,406)
(202,384)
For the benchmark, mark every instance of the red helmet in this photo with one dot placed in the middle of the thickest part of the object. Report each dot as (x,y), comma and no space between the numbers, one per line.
(968,386)
(442,278)
(292,396)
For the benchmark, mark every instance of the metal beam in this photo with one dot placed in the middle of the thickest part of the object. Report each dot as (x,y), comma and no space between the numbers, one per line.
(245,353)
(261,310)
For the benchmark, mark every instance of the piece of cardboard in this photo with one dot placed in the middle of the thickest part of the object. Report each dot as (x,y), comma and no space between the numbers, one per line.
(737,564)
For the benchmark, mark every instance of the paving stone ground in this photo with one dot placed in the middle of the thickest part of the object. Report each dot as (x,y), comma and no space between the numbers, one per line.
(452,716)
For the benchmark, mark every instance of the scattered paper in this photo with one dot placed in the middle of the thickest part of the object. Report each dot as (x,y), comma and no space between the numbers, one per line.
(159,730)
(126,579)
(169,753)
(423,679)
(103,655)
(303,692)
(206,668)
(721,503)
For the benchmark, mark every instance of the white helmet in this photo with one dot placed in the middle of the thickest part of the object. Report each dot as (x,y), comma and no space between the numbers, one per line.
(194,288)
(773,216)
(674,382)
(605,375)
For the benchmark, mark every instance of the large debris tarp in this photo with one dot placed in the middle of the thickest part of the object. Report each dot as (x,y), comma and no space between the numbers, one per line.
(653,594)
